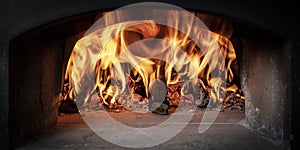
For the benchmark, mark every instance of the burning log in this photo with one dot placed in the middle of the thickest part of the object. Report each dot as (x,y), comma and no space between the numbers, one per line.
(160,108)
(233,101)
(68,106)
(174,94)
(216,55)
(136,84)
(198,96)
(133,102)
(160,100)
(158,97)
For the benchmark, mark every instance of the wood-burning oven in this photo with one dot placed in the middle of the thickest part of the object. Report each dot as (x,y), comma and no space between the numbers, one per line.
(38,57)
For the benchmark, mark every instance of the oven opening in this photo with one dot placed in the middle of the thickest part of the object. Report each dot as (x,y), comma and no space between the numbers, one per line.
(66,77)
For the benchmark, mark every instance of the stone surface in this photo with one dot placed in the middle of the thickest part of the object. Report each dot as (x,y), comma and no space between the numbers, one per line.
(71,132)
(263,85)
(34,87)
(37,62)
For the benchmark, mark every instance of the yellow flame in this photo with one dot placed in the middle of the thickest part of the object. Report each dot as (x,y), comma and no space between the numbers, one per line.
(111,52)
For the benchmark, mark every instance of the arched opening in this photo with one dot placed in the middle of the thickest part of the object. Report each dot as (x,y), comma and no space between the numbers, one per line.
(39,58)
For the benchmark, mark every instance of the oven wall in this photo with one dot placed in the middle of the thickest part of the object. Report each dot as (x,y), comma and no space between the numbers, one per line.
(35,75)
(38,60)
(264,84)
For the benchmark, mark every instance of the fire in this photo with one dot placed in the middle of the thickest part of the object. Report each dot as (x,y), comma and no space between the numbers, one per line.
(113,48)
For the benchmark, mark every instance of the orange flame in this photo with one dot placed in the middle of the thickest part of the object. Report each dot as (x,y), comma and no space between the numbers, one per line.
(110,48)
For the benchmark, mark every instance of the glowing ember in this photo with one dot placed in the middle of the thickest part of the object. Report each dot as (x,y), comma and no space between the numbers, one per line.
(124,74)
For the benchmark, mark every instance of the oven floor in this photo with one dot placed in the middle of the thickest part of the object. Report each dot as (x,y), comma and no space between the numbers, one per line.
(71,132)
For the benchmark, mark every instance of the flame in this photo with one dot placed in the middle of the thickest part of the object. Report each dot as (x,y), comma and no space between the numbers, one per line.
(110,48)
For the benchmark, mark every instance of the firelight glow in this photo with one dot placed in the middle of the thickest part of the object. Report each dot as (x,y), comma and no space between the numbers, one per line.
(106,50)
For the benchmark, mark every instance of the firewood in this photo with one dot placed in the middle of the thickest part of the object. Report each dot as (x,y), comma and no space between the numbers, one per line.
(158,98)
(68,106)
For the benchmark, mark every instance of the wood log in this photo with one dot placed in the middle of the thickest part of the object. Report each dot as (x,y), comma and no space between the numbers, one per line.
(158,97)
